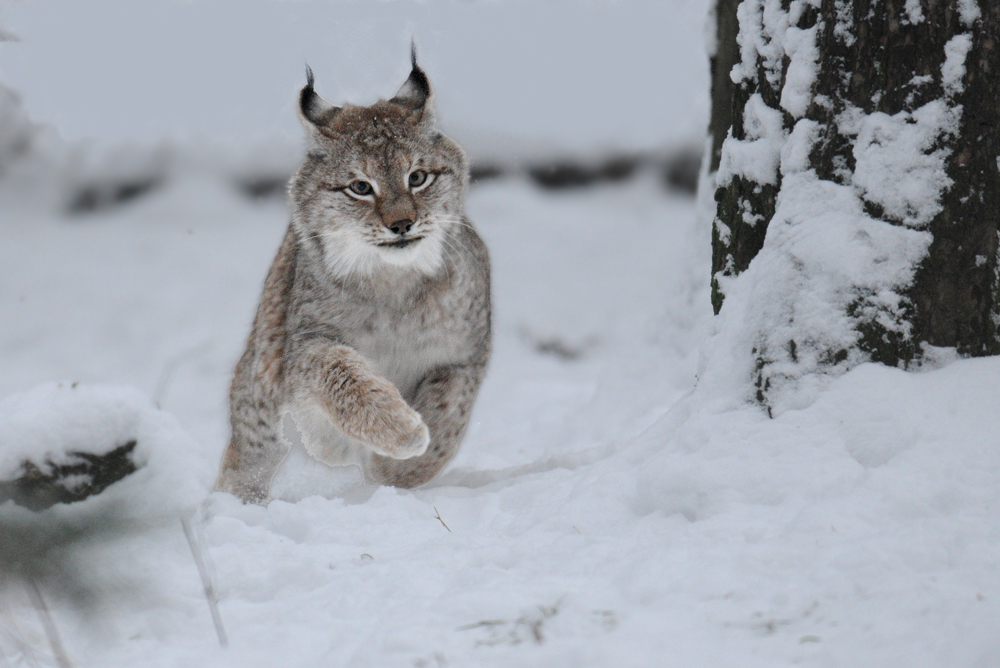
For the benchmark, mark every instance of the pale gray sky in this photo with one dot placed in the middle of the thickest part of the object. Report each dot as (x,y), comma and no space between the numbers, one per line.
(568,74)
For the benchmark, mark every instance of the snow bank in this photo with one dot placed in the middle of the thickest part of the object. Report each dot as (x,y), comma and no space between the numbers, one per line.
(52,424)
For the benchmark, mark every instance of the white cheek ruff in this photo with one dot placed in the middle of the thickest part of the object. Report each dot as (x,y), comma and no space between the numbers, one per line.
(424,256)
(347,253)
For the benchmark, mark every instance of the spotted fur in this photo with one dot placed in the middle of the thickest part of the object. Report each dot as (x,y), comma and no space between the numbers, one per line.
(373,329)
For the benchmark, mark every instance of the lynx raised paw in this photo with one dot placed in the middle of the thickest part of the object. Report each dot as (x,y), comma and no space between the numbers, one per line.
(406,442)
(417,443)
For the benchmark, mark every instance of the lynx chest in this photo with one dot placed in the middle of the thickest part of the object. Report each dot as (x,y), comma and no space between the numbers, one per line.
(402,337)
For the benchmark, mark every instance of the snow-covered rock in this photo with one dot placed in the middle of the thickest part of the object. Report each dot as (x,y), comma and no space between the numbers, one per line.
(54,430)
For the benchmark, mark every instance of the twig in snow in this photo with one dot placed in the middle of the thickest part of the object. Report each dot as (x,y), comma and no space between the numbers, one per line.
(199,561)
(438,516)
(50,626)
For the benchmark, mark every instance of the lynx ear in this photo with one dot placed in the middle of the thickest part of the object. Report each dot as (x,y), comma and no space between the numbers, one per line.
(313,109)
(415,92)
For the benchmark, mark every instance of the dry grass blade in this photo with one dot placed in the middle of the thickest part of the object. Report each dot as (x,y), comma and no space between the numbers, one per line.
(213,603)
(49,624)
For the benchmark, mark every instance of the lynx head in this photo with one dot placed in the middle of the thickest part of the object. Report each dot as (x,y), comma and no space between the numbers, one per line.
(380,186)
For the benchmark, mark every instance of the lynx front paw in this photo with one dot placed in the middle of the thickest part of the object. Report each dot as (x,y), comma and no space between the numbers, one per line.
(416,444)
(406,437)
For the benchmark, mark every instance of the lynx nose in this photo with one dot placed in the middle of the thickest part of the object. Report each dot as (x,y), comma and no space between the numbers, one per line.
(401,226)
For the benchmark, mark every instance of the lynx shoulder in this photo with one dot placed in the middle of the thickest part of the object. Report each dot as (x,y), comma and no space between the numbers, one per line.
(373,329)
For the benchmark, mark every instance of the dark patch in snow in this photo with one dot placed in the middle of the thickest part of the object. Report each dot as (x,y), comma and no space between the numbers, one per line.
(486,171)
(681,170)
(102,196)
(556,346)
(566,173)
(561,175)
(42,486)
(619,168)
(264,187)
(559,348)
(530,626)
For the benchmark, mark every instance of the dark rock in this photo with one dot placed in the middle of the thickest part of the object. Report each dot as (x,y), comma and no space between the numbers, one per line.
(41,486)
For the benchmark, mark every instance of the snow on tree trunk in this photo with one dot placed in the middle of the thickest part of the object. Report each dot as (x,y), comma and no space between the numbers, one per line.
(857,185)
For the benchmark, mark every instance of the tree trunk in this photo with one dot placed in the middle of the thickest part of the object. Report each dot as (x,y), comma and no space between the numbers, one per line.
(893,103)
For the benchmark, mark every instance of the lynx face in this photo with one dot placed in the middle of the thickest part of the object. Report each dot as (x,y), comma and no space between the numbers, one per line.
(379,186)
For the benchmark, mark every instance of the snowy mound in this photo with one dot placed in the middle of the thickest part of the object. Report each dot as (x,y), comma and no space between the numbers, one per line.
(91,449)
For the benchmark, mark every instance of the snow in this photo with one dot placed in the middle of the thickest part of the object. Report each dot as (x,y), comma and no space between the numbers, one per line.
(969,12)
(14,127)
(845,22)
(953,69)
(764,33)
(711,30)
(617,500)
(898,166)
(758,156)
(803,55)
(47,423)
(914,13)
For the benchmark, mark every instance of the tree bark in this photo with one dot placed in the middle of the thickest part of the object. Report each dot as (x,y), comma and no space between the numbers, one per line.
(891,57)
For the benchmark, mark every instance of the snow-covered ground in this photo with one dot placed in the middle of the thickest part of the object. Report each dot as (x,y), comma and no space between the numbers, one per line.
(597,514)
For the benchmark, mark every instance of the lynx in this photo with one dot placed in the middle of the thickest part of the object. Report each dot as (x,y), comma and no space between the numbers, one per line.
(373,329)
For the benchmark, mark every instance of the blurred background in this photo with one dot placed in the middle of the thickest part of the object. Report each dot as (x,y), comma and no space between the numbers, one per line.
(515,82)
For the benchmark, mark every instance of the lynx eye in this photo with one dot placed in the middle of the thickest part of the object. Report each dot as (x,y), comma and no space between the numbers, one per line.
(360,188)
(418,178)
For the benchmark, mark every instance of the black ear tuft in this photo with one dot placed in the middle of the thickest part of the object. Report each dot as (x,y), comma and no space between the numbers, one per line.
(416,90)
(312,106)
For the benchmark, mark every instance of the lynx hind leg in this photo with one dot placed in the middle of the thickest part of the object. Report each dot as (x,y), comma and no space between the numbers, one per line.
(255,450)
(359,402)
(444,398)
